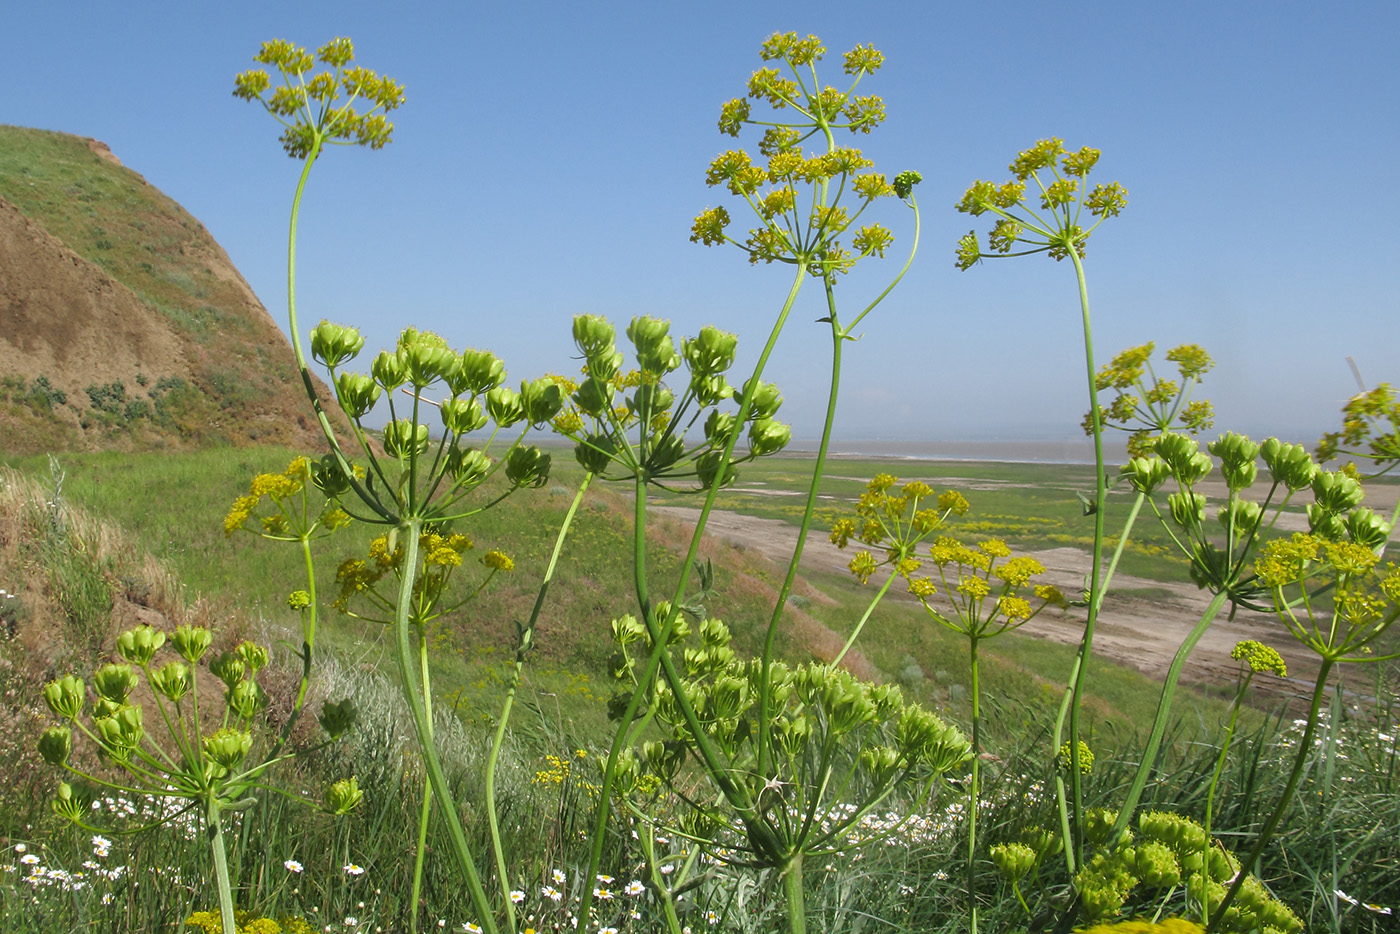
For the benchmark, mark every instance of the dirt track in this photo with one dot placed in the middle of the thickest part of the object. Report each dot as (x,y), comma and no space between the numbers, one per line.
(1143,632)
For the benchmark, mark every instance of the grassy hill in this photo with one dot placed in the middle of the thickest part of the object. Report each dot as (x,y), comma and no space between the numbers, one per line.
(122,322)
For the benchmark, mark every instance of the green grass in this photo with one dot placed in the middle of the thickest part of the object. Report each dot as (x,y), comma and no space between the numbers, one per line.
(174,506)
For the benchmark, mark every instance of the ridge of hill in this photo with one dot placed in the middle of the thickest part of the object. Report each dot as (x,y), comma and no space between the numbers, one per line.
(123,324)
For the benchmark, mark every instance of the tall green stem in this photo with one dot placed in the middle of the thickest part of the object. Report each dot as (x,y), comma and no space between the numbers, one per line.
(1095,596)
(427,808)
(792,890)
(412,689)
(493,759)
(221,877)
(765,726)
(865,617)
(974,792)
(1251,863)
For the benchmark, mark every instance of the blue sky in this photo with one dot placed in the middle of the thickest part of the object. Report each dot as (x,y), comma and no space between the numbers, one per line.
(550,158)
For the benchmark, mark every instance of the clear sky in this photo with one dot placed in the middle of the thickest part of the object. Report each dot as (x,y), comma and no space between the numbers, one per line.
(550,158)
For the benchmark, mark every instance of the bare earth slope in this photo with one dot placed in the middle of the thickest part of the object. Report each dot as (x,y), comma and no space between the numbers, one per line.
(122,322)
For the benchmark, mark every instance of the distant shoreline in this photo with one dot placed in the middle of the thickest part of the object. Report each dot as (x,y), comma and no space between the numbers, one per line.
(1005,452)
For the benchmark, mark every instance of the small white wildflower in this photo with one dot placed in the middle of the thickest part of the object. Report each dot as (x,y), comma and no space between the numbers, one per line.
(517,896)
(559,876)
(353,870)
(292,865)
(635,887)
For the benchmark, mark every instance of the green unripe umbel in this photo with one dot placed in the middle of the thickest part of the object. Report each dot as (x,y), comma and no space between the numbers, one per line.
(73,804)
(650,399)
(254,656)
(718,427)
(191,642)
(665,451)
(1146,474)
(791,735)
(904,183)
(768,436)
(228,668)
(1366,528)
(766,399)
(593,396)
(121,732)
(1237,459)
(1290,464)
(710,390)
(65,696)
(594,336)
(140,645)
(710,353)
(334,344)
(504,406)
(389,370)
(541,400)
(1187,509)
(1325,523)
(1335,492)
(1156,866)
(339,718)
(527,466)
(594,453)
(56,745)
(247,698)
(651,338)
(114,682)
(327,476)
(172,681)
(227,748)
(1177,450)
(627,629)
(426,361)
(707,470)
(468,467)
(358,393)
(405,438)
(462,416)
(664,758)
(344,796)
(1014,860)
(481,371)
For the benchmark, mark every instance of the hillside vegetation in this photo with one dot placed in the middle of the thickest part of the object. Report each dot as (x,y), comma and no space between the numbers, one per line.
(122,322)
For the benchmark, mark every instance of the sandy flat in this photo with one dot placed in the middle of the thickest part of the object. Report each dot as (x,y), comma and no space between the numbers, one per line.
(1143,632)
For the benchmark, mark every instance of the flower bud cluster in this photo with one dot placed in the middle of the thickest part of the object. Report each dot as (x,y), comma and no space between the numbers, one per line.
(1147,405)
(343,104)
(883,741)
(1370,418)
(191,763)
(291,517)
(601,427)
(794,225)
(1170,851)
(1053,228)
(896,522)
(1334,516)
(440,553)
